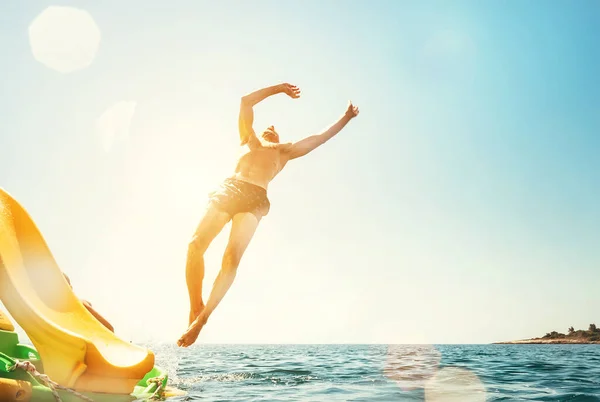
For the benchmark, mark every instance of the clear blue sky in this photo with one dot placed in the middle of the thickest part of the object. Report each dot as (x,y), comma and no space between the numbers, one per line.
(460,206)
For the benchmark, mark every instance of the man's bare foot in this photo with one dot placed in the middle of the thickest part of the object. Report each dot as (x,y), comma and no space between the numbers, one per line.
(192,332)
(194,313)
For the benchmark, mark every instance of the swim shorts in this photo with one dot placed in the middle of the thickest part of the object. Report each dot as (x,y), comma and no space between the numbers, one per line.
(237,196)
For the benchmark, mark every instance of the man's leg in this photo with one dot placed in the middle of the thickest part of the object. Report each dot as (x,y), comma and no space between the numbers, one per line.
(243,228)
(209,227)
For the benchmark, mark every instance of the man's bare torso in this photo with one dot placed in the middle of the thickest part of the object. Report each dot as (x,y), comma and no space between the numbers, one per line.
(260,165)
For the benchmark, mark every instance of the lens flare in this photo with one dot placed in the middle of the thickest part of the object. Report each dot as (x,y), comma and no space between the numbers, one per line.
(113,125)
(411,366)
(64,39)
(454,384)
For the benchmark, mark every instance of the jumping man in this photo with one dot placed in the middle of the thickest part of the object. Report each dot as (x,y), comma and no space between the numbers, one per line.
(242,198)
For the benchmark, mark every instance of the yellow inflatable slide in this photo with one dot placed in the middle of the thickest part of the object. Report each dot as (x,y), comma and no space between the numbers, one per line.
(76,349)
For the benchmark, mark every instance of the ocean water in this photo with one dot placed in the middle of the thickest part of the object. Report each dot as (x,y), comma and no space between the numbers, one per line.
(383,373)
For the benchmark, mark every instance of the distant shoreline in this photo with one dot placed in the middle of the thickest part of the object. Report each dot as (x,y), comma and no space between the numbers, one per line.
(542,341)
(579,337)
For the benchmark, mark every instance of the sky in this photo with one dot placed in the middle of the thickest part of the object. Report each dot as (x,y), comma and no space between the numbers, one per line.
(460,206)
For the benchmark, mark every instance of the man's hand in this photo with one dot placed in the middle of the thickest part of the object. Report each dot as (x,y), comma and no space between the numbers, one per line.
(290,90)
(352,110)
(246,119)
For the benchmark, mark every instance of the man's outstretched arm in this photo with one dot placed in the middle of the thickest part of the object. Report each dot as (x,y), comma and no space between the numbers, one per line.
(308,144)
(246,119)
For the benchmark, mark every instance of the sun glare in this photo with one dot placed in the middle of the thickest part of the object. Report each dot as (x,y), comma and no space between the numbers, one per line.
(113,125)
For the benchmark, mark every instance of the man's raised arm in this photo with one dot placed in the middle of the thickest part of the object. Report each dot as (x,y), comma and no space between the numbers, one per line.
(246,119)
(308,144)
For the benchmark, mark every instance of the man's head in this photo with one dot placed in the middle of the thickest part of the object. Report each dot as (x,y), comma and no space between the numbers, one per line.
(271,135)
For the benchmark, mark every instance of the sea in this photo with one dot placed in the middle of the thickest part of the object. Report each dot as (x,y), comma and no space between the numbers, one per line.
(457,373)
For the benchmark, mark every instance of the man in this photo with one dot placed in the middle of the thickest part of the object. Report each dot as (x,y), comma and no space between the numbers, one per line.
(89,308)
(242,198)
